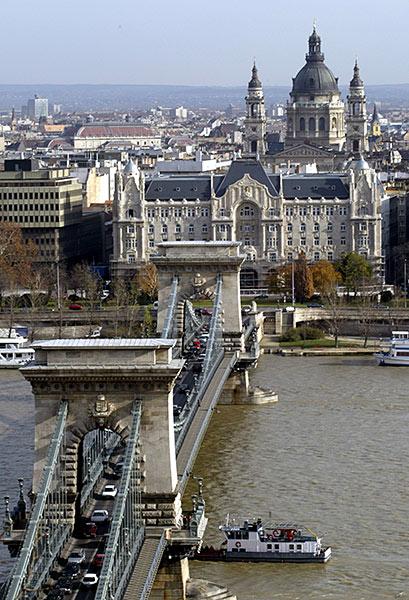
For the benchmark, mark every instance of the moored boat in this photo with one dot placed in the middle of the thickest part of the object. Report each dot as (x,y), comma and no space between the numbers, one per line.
(253,541)
(398,352)
(14,351)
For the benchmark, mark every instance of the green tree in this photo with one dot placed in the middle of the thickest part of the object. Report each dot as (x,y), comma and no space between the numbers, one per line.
(354,268)
(326,279)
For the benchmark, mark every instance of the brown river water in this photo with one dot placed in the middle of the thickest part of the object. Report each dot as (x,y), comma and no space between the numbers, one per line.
(332,454)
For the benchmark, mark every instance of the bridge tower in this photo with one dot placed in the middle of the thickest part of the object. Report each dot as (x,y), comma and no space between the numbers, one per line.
(189,271)
(100,380)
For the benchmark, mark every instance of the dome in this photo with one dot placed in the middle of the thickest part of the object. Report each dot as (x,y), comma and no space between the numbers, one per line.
(131,168)
(358,164)
(356,81)
(254,81)
(315,77)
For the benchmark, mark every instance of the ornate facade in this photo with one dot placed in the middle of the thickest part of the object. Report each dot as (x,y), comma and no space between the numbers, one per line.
(274,216)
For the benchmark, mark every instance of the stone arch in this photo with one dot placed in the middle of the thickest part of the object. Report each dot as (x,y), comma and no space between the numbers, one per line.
(302,124)
(248,224)
(311,124)
(321,124)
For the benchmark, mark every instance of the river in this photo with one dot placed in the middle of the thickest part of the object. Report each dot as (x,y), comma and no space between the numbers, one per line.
(331,455)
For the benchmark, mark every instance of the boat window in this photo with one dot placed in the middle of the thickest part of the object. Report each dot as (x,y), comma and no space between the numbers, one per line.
(244,535)
(269,546)
(234,549)
(276,546)
(291,546)
(242,549)
(299,546)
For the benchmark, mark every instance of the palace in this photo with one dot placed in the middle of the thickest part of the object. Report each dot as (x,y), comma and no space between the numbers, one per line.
(275,216)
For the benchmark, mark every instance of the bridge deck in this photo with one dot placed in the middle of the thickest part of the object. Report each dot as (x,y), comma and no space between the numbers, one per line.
(144,571)
(191,444)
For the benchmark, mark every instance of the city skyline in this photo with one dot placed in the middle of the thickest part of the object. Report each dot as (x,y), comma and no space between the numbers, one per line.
(185,45)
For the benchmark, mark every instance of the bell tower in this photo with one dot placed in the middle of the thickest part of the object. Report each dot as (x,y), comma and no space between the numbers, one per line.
(357,123)
(255,121)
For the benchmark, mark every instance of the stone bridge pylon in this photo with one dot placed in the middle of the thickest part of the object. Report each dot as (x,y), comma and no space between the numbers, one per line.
(189,271)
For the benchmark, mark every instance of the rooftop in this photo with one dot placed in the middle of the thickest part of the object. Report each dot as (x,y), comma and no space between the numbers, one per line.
(121,131)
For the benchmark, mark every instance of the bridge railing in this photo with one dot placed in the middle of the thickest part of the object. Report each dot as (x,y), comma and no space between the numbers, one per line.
(127,532)
(48,527)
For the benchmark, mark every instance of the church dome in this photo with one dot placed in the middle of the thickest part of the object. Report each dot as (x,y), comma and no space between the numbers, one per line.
(315,77)
(254,81)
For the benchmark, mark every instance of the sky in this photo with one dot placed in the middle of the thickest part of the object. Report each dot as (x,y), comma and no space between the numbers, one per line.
(198,42)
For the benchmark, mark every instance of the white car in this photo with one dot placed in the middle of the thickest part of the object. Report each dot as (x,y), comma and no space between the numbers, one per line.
(100,516)
(76,558)
(90,579)
(109,491)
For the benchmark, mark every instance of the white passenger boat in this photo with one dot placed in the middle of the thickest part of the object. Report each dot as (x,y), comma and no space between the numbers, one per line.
(14,350)
(398,352)
(253,541)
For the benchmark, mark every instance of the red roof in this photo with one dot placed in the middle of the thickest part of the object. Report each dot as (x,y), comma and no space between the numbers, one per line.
(115,131)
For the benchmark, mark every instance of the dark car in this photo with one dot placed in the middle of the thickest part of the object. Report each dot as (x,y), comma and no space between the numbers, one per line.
(64,584)
(98,560)
(315,305)
(72,570)
(90,530)
(206,312)
(261,297)
(55,595)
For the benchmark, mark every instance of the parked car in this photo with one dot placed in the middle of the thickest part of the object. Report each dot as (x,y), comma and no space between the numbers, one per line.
(289,309)
(77,557)
(98,560)
(246,309)
(261,297)
(90,580)
(315,305)
(109,491)
(100,516)
(75,306)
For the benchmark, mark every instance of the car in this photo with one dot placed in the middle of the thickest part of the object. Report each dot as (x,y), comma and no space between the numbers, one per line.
(261,297)
(206,312)
(246,309)
(90,530)
(75,306)
(64,584)
(109,491)
(100,516)
(315,305)
(98,560)
(289,309)
(73,569)
(77,557)
(90,580)
(104,294)
(55,594)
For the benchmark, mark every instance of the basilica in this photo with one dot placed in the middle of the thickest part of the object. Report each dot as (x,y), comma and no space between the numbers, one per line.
(275,216)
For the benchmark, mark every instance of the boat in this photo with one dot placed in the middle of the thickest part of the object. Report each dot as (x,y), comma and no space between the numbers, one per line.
(14,350)
(398,351)
(251,541)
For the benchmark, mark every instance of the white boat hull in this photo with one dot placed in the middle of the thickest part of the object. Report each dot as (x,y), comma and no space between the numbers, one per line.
(392,361)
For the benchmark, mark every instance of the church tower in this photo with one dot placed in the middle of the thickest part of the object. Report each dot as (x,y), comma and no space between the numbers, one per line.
(255,121)
(357,124)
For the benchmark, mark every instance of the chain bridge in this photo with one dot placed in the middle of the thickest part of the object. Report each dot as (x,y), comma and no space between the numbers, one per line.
(129,414)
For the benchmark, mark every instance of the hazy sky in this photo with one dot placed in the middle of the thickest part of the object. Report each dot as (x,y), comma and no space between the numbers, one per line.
(210,42)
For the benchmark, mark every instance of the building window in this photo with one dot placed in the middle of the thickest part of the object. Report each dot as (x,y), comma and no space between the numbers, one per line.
(150,213)
(271,242)
(363,240)
(289,242)
(343,227)
(222,212)
(272,227)
(222,228)
(303,211)
(311,124)
(151,229)
(191,228)
(303,242)
(329,227)
(164,229)
(177,212)
(151,243)
(316,256)
(329,242)
(302,124)
(204,212)
(271,212)
(289,211)
(164,212)
(204,229)
(303,227)
(131,258)
(130,229)
(289,227)
(343,241)
(330,256)
(316,211)
(247,211)
(289,256)
(343,210)
(362,226)
(321,124)
(273,256)
(329,211)
(316,242)
(178,228)
(316,227)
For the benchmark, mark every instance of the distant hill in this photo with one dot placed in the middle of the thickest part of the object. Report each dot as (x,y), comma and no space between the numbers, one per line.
(135,97)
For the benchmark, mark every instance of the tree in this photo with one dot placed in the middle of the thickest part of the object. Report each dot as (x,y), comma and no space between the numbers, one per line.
(147,282)
(279,280)
(354,268)
(89,285)
(121,298)
(326,279)
(303,283)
